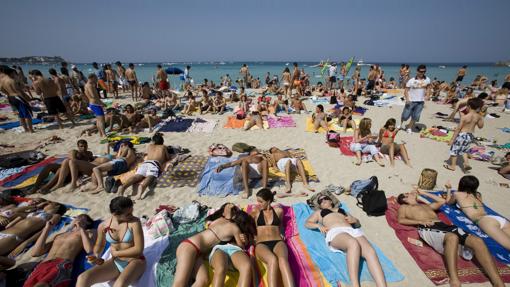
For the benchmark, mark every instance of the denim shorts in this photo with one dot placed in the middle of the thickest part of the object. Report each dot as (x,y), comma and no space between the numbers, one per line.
(412,110)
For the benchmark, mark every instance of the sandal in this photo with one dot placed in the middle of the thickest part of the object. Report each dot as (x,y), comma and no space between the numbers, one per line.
(448,167)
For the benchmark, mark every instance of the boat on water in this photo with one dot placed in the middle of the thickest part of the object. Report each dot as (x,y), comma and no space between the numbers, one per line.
(362,63)
(442,67)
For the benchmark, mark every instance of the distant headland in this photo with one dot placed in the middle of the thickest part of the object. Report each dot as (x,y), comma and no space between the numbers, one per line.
(33,60)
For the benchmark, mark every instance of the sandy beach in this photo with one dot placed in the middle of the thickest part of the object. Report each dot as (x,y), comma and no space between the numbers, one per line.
(330,165)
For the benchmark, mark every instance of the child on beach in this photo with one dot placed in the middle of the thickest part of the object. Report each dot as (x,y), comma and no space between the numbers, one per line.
(463,135)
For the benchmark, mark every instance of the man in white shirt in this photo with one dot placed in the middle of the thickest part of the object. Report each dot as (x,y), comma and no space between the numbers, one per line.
(332,76)
(416,93)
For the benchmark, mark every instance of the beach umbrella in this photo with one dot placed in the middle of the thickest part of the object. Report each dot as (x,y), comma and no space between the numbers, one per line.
(174,71)
(233,88)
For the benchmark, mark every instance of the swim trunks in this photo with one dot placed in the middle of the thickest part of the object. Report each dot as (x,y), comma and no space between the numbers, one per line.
(435,235)
(119,166)
(22,106)
(283,162)
(163,85)
(149,168)
(132,83)
(54,105)
(461,143)
(55,273)
(97,110)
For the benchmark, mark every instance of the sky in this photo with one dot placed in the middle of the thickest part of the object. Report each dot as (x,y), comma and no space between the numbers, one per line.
(434,31)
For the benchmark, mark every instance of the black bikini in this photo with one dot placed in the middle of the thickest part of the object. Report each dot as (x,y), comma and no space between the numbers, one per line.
(325,212)
(261,221)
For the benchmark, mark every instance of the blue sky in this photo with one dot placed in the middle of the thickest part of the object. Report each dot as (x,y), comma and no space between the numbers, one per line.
(258,30)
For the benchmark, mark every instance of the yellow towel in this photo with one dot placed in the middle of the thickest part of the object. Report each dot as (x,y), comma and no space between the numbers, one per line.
(27,182)
(333,125)
(274,172)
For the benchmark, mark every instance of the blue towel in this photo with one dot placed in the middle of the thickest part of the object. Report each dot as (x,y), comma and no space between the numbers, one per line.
(318,101)
(11,125)
(334,264)
(458,218)
(179,125)
(506,130)
(213,183)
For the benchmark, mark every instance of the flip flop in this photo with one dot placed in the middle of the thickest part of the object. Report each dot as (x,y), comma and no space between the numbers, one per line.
(448,167)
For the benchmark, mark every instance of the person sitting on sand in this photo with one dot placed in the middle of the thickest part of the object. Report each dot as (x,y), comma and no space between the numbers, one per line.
(319,119)
(336,224)
(364,142)
(297,105)
(125,158)
(114,117)
(95,103)
(191,106)
(157,160)
(254,118)
(505,169)
(469,200)
(149,120)
(270,247)
(24,231)
(463,135)
(445,238)
(286,163)
(386,138)
(125,234)
(345,119)
(78,106)
(61,251)
(206,103)
(279,105)
(219,103)
(225,228)
(132,115)
(81,154)
(254,166)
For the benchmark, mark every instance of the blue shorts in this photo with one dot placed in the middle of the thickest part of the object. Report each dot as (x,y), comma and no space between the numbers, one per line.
(119,166)
(97,110)
(412,110)
(24,111)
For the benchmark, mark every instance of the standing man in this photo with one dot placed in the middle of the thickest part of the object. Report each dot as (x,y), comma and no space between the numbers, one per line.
(296,81)
(49,94)
(17,98)
(331,76)
(132,81)
(244,72)
(121,72)
(416,92)
(460,74)
(343,73)
(372,76)
(111,80)
(162,81)
(95,103)
(78,79)
(100,77)
(187,78)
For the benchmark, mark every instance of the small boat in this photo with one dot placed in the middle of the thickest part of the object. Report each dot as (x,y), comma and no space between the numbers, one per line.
(442,67)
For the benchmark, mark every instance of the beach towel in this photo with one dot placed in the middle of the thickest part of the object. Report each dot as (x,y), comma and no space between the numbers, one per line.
(29,173)
(333,125)
(115,138)
(333,264)
(504,147)
(458,218)
(480,153)
(281,122)
(359,111)
(505,130)
(4,173)
(437,134)
(431,262)
(174,125)
(222,184)
(11,125)
(234,123)
(319,100)
(186,173)
(200,125)
(152,252)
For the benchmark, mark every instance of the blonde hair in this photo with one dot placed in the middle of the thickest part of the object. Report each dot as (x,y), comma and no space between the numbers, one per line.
(364,126)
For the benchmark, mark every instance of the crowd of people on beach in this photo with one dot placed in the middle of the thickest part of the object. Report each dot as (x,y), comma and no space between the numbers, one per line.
(230,230)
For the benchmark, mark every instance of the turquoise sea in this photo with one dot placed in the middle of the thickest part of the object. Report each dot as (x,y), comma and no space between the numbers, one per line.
(214,70)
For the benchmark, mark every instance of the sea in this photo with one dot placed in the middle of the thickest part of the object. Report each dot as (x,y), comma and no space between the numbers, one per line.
(215,70)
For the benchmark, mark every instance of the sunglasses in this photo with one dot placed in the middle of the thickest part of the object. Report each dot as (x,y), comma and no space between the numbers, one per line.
(422,71)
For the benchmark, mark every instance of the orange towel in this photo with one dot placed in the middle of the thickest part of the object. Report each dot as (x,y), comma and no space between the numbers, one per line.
(234,123)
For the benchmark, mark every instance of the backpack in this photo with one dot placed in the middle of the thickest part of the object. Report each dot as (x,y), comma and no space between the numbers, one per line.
(373,202)
(333,139)
(358,186)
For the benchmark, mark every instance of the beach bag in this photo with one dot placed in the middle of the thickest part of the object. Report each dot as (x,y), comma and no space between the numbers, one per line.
(372,201)
(187,214)
(333,139)
(240,115)
(160,225)
(313,201)
(333,100)
(427,179)
(242,147)
(359,186)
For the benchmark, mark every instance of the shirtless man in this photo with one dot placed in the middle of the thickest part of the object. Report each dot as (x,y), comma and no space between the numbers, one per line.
(62,250)
(280,105)
(61,85)
(219,103)
(111,80)
(445,238)
(17,98)
(149,120)
(254,166)
(244,72)
(372,75)
(95,103)
(460,74)
(157,160)
(121,72)
(463,135)
(49,94)
(132,81)
(81,154)
(114,117)
(125,158)
(296,81)
(462,103)
(286,163)
(162,81)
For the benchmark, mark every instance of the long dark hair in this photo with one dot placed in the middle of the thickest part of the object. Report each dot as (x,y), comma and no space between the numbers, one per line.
(219,213)
(245,222)
(469,184)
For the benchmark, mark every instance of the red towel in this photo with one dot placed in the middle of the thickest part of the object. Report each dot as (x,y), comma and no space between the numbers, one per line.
(429,260)
(345,146)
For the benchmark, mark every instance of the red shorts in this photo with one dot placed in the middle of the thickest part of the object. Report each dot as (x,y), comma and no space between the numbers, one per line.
(55,272)
(163,85)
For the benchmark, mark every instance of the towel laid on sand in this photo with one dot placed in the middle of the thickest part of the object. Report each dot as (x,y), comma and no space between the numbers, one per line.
(186,173)
(11,125)
(431,262)
(437,134)
(281,122)
(174,125)
(214,183)
(234,123)
(200,125)
(28,175)
(296,153)
(334,264)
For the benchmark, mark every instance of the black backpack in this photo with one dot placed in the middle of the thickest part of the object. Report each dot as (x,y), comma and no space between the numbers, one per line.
(372,201)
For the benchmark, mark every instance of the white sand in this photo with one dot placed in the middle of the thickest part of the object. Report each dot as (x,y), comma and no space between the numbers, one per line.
(330,166)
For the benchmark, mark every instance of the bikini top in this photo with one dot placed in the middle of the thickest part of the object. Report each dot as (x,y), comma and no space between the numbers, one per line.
(222,242)
(261,221)
(388,134)
(127,238)
(325,212)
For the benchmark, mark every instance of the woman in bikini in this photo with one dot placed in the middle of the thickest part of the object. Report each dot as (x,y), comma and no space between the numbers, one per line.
(342,237)
(364,142)
(319,119)
(270,247)
(124,233)
(191,251)
(345,119)
(386,138)
(469,200)
(230,255)
(286,82)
